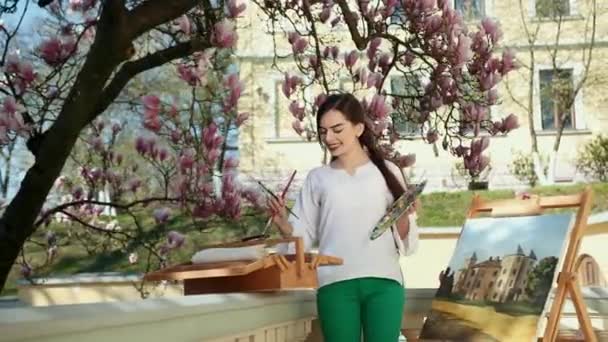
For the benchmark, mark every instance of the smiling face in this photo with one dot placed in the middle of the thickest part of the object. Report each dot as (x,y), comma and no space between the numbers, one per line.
(339,135)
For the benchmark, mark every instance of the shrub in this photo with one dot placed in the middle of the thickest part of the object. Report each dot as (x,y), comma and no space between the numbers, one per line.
(522,167)
(592,160)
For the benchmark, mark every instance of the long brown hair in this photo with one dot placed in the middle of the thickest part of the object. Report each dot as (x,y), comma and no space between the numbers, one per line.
(348,105)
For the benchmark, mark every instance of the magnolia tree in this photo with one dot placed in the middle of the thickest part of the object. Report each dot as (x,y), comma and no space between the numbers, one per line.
(423,41)
(54,95)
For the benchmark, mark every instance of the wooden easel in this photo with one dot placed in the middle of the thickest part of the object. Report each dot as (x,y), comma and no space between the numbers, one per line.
(566,281)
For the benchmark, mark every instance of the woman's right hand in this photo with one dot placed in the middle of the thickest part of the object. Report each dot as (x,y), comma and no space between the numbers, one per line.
(278,212)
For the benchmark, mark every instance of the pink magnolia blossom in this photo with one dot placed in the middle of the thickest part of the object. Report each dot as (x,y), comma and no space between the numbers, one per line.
(235,87)
(161,215)
(97,143)
(22,70)
(77,193)
(176,136)
(408,58)
(375,80)
(492,96)
(81,5)
(186,161)
(385,61)
(335,51)
(325,14)
(224,34)
(203,210)
(231,163)
(362,75)
(508,62)
(96,173)
(406,160)
(141,145)
(505,125)
(163,154)
(235,9)
(209,134)
(25,270)
(12,64)
(299,45)
(213,155)
(432,136)
(490,27)
(175,239)
(480,145)
(194,76)
(183,23)
(463,50)
(152,121)
(289,84)
(320,99)
(241,118)
(134,184)
(151,102)
(297,110)
(378,108)
(374,44)
(297,127)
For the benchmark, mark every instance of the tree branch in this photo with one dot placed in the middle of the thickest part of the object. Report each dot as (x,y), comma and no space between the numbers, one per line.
(152,13)
(130,69)
(351,22)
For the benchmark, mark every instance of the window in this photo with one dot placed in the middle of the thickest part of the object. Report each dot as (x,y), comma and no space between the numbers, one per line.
(590,270)
(552,8)
(495,273)
(556,102)
(278,125)
(409,87)
(499,283)
(470,9)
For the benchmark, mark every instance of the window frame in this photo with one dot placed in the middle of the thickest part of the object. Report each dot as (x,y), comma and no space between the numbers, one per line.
(578,115)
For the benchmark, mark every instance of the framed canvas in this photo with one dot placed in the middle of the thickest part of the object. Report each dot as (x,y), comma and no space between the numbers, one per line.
(497,283)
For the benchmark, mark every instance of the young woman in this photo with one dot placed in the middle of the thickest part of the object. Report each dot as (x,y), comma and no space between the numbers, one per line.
(338,206)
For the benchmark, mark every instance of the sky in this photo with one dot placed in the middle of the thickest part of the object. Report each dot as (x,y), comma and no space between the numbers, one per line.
(500,236)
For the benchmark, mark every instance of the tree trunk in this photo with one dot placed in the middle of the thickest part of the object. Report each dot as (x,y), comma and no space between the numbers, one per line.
(538,164)
(6,177)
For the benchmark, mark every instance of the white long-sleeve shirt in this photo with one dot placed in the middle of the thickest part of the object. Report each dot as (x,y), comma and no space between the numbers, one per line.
(338,211)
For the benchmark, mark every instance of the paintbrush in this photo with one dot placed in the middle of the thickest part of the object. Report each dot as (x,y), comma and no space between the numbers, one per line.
(283,194)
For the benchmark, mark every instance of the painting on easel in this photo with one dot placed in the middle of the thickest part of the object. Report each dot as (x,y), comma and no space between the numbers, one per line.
(496,285)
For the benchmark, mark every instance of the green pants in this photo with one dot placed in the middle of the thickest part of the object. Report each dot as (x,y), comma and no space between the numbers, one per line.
(373,305)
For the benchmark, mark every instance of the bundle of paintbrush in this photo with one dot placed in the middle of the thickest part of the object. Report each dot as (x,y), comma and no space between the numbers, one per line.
(269,222)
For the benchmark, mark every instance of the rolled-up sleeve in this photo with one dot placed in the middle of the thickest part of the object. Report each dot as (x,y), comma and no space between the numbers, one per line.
(307,210)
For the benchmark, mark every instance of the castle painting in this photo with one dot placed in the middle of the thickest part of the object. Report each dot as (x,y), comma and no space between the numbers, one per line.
(496,285)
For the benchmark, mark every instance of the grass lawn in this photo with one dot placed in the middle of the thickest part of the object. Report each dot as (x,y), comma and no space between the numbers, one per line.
(437,209)
(450,208)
